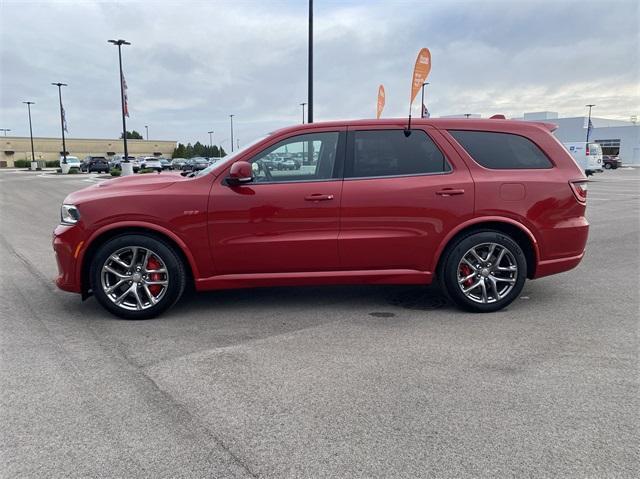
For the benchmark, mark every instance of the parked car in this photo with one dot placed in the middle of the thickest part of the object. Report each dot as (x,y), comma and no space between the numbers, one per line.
(587,155)
(117,160)
(476,205)
(611,162)
(166,164)
(72,161)
(195,164)
(178,163)
(98,164)
(151,162)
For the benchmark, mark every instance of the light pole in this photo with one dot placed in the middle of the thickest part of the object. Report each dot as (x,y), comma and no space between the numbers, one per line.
(231,117)
(422,102)
(146,127)
(64,145)
(591,105)
(302,105)
(29,103)
(238,143)
(210,138)
(467,115)
(310,60)
(5,130)
(119,43)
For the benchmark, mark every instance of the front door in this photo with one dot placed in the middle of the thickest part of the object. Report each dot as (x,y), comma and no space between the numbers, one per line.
(286,219)
(401,195)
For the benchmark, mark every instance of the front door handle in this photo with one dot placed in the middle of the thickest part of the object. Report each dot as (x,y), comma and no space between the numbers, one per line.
(318,197)
(450,192)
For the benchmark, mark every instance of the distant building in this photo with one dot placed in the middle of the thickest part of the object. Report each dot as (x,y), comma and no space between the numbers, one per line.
(617,137)
(48,149)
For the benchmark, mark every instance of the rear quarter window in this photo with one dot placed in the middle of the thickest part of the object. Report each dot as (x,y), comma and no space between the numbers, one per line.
(501,151)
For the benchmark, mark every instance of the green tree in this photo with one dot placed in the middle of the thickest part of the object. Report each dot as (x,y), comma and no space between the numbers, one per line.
(179,151)
(198,149)
(133,135)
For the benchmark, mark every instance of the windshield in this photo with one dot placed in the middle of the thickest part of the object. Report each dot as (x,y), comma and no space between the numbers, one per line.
(229,158)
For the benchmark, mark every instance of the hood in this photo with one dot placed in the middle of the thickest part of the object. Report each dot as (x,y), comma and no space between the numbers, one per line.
(125,185)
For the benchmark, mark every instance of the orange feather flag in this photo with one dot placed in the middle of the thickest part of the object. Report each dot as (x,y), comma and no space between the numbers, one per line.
(420,72)
(381,101)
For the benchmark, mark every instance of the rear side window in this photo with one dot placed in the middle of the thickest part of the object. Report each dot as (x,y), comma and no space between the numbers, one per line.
(390,153)
(501,151)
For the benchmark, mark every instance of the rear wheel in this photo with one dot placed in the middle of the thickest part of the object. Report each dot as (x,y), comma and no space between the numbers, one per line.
(607,166)
(484,272)
(137,276)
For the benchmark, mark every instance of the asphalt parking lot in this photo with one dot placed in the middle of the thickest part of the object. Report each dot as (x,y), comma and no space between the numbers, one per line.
(321,382)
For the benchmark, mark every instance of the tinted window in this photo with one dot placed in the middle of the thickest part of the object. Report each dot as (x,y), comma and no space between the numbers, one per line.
(391,153)
(501,151)
(300,158)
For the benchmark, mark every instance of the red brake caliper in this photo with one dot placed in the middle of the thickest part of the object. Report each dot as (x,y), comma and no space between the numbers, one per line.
(154,264)
(465,271)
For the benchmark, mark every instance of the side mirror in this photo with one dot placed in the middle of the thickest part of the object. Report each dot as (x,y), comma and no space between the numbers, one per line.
(240,173)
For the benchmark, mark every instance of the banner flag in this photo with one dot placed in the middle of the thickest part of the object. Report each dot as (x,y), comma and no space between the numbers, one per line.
(425,111)
(420,72)
(64,120)
(381,101)
(126,96)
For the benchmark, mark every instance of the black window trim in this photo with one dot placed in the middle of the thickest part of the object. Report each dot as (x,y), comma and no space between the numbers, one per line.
(476,162)
(350,157)
(338,164)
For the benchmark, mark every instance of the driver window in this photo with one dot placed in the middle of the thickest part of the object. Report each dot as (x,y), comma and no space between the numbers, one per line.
(307,157)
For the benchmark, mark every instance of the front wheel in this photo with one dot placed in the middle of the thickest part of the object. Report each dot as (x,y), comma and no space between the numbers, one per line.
(137,276)
(484,272)
(607,166)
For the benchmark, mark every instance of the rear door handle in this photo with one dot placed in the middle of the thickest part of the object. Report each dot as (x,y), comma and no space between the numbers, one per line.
(318,197)
(450,192)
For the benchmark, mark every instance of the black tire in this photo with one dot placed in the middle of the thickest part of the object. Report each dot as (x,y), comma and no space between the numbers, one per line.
(452,263)
(607,166)
(174,265)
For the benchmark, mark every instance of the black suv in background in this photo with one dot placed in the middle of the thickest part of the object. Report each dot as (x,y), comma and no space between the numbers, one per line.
(95,163)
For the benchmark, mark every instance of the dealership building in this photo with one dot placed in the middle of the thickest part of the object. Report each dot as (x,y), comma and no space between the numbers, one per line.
(48,149)
(617,137)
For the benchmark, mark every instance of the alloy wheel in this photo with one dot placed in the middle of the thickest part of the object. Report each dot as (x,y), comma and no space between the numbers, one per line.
(487,273)
(134,278)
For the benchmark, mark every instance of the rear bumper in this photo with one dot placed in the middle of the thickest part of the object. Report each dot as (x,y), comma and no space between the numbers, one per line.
(564,247)
(67,242)
(553,266)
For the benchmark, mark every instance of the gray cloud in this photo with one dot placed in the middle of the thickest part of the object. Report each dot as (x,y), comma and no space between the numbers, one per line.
(192,63)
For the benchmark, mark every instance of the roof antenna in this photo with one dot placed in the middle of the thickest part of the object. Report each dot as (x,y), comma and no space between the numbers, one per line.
(407,130)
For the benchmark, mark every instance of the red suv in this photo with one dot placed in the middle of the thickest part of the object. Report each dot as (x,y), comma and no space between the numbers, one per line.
(478,205)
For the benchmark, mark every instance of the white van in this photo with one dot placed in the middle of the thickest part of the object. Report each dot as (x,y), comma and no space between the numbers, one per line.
(587,155)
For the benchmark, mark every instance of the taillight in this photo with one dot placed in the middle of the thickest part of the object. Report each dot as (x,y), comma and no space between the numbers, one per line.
(587,150)
(579,189)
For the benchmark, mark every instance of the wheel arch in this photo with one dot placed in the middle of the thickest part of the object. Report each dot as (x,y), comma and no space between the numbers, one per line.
(520,233)
(103,235)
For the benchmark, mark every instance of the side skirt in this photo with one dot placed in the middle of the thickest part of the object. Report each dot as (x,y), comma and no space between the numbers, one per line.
(384,276)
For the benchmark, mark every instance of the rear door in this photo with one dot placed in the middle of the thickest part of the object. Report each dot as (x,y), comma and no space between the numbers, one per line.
(401,196)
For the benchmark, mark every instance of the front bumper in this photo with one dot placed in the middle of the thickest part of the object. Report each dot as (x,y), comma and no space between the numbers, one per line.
(67,244)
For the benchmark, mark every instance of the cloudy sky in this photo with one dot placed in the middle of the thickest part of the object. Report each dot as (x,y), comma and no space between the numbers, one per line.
(192,63)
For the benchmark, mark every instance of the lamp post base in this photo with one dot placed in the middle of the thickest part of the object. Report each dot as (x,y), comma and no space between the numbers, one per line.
(65,167)
(34,165)
(127,168)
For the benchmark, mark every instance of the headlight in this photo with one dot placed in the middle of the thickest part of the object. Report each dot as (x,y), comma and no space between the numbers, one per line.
(69,214)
